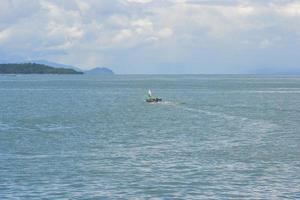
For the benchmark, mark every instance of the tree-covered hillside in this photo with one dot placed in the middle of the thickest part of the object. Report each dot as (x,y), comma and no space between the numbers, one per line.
(33,68)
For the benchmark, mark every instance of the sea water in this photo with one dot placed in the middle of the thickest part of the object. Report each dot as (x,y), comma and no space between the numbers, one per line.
(94,137)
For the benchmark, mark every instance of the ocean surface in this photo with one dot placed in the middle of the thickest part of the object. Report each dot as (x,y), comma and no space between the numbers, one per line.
(94,137)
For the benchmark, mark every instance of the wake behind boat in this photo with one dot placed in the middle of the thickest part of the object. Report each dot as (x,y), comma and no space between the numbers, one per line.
(152,99)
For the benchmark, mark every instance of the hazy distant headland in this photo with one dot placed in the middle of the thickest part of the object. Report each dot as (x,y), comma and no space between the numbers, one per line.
(99,71)
(33,68)
(39,68)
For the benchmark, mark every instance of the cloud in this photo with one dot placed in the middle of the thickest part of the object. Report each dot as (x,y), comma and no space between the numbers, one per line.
(4,35)
(135,35)
(290,9)
(139,1)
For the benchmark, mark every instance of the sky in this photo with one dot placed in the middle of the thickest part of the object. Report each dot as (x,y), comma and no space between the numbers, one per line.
(155,36)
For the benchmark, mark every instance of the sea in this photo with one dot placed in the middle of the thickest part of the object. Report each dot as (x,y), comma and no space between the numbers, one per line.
(95,137)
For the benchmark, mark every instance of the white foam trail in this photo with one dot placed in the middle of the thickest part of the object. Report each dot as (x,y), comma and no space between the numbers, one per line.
(216,114)
(180,105)
(262,125)
(169,103)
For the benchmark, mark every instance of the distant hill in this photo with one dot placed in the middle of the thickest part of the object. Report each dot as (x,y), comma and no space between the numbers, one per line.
(99,71)
(42,62)
(34,68)
(54,64)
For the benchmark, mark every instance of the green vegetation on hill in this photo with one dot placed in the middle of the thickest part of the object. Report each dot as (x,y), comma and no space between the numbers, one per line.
(33,68)
(99,71)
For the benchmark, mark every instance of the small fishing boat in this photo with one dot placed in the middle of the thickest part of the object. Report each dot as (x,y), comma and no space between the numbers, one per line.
(152,99)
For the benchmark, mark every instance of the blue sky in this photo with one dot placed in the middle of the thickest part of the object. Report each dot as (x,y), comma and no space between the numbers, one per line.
(155,36)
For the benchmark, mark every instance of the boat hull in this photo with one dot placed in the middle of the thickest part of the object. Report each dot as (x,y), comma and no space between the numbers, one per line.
(153,100)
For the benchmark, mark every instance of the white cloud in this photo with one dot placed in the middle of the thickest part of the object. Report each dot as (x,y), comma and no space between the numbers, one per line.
(4,35)
(143,23)
(291,9)
(123,35)
(83,5)
(67,30)
(59,30)
(139,1)
(165,33)
(245,10)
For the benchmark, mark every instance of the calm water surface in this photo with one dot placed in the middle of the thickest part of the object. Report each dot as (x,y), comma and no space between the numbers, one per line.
(85,137)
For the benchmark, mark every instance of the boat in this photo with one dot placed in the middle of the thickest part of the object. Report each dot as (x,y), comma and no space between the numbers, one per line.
(152,99)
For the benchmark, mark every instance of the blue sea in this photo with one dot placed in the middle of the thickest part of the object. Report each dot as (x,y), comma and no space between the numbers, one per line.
(94,137)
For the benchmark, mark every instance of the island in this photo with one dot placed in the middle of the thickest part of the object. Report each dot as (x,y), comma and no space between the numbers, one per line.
(34,68)
(100,71)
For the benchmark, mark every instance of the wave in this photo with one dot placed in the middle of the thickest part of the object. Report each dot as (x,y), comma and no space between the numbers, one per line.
(4,127)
